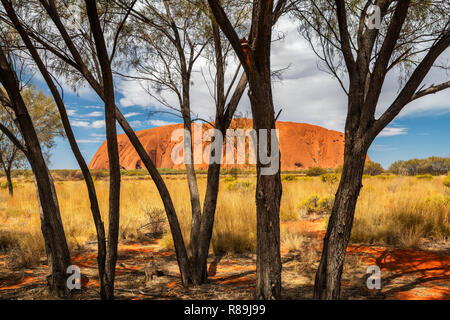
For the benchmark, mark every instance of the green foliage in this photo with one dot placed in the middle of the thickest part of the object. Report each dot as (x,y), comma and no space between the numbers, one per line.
(46,121)
(239,185)
(338,169)
(316,171)
(424,177)
(373,168)
(317,205)
(288,177)
(229,179)
(446,181)
(4,185)
(329,178)
(432,165)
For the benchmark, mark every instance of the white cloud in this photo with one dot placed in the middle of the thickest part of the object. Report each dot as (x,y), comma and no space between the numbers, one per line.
(98,135)
(305,93)
(77,123)
(159,123)
(71,112)
(132,114)
(389,132)
(98,124)
(89,141)
(94,114)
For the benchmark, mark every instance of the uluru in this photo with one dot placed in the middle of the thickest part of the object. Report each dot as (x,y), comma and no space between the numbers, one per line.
(302,146)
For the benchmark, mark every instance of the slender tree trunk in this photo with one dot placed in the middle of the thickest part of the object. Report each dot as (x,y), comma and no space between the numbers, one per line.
(52,229)
(207,222)
(100,230)
(268,197)
(10,183)
(195,200)
(328,276)
(177,236)
(107,292)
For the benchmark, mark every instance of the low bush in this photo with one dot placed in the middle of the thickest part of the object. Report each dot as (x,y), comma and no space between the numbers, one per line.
(4,185)
(239,185)
(317,205)
(329,178)
(316,171)
(424,177)
(446,181)
(288,177)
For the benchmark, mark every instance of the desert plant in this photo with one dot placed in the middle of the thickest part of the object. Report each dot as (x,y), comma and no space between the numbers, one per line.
(329,178)
(156,221)
(446,181)
(424,177)
(288,177)
(239,185)
(316,171)
(373,168)
(317,205)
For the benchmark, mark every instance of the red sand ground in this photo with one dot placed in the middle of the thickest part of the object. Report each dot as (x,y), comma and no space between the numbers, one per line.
(407,274)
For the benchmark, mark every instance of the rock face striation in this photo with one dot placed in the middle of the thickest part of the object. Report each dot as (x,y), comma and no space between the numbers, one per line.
(302,146)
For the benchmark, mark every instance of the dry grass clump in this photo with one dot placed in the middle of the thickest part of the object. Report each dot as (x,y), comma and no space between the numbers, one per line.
(403,214)
(393,210)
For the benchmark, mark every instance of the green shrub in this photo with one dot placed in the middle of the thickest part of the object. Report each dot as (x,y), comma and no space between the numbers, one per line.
(316,171)
(424,177)
(446,181)
(317,204)
(239,185)
(288,177)
(338,169)
(229,179)
(329,178)
(4,185)
(373,168)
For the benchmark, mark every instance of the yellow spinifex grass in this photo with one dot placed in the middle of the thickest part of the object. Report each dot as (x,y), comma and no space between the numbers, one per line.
(399,210)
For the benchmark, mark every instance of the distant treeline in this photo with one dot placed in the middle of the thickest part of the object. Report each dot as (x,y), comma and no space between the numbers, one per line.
(432,165)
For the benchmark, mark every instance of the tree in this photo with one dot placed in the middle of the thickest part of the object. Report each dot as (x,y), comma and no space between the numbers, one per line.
(412,167)
(47,124)
(163,48)
(67,56)
(373,168)
(254,55)
(52,229)
(348,39)
(101,241)
(104,86)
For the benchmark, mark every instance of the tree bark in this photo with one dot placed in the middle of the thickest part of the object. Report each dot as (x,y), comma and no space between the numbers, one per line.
(107,292)
(268,197)
(10,183)
(100,230)
(328,276)
(52,229)
(255,58)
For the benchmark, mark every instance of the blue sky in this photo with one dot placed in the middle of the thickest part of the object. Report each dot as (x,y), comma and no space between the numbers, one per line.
(305,94)
(86,114)
(418,135)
